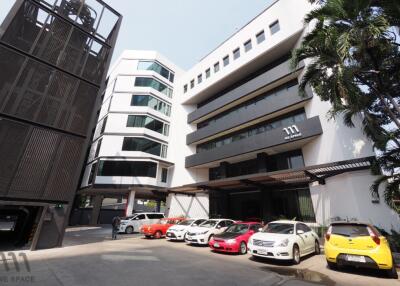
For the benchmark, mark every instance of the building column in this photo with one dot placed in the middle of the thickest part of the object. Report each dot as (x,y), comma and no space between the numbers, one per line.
(97,201)
(130,204)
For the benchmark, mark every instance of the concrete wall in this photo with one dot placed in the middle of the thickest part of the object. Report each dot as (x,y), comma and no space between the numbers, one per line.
(348,196)
(188,206)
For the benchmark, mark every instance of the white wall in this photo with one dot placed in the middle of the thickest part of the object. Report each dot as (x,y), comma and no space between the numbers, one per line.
(188,206)
(348,196)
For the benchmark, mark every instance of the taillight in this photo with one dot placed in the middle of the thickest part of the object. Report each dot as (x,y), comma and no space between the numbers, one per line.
(328,233)
(374,235)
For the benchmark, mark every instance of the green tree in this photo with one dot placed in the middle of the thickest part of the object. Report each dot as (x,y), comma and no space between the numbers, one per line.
(354,63)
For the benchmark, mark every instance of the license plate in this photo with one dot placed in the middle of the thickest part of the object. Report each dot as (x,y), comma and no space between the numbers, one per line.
(216,244)
(355,258)
(262,251)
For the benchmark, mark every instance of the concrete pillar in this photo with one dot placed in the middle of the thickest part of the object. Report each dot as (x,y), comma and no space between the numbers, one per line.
(131,203)
(97,201)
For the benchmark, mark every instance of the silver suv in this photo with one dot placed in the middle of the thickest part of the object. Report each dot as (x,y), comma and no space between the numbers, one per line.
(132,223)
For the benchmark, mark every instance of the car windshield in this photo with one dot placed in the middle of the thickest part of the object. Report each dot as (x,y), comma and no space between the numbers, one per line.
(186,222)
(238,228)
(282,228)
(350,230)
(209,223)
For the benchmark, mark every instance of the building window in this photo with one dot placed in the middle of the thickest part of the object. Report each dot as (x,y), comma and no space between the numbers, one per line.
(216,67)
(153,83)
(248,46)
(96,154)
(127,169)
(274,27)
(236,54)
(260,37)
(164,149)
(92,173)
(192,83)
(208,73)
(226,61)
(152,102)
(142,121)
(185,88)
(164,175)
(155,66)
(264,127)
(142,145)
(199,78)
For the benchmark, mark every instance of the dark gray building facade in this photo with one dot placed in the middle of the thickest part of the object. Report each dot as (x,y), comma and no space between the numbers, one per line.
(54,55)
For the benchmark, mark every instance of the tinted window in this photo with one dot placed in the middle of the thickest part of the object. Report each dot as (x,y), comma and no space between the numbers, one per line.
(127,169)
(228,222)
(153,83)
(146,122)
(350,230)
(222,224)
(248,46)
(199,78)
(199,221)
(216,67)
(226,61)
(154,66)
(283,228)
(260,37)
(238,228)
(236,53)
(208,73)
(303,227)
(274,27)
(164,175)
(155,216)
(142,145)
(141,216)
(185,88)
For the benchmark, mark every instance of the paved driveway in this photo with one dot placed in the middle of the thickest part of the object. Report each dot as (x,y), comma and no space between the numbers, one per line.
(137,261)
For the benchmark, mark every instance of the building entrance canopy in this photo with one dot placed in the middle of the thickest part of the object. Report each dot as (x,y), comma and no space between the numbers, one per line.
(310,174)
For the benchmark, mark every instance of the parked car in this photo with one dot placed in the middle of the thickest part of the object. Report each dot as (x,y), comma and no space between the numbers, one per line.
(178,231)
(358,244)
(159,229)
(134,222)
(284,240)
(234,238)
(203,233)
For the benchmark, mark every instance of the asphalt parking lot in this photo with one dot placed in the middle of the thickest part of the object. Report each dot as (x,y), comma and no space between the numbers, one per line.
(89,257)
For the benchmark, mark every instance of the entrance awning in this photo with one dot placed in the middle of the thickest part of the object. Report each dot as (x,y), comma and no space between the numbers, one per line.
(310,174)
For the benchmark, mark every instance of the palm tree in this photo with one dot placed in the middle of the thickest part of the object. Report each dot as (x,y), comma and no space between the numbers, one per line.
(354,63)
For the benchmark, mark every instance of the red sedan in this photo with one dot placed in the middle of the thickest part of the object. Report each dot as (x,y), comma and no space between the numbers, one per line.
(234,239)
(159,229)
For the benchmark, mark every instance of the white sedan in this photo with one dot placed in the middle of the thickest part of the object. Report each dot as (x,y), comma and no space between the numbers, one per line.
(284,240)
(203,233)
(178,231)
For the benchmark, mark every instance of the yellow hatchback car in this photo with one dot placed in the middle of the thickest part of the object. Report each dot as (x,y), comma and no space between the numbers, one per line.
(360,245)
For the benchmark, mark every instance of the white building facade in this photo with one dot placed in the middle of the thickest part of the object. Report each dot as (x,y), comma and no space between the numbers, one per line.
(242,142)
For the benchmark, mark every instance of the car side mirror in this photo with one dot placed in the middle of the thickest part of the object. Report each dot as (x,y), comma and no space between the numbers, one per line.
(300,231)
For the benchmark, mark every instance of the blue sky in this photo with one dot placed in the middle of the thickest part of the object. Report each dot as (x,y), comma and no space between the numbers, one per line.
(182,30)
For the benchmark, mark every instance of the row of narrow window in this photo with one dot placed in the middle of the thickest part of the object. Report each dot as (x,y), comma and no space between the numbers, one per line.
(247,46)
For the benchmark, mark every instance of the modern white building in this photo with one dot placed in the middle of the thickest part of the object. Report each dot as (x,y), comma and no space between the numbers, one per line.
(242,142)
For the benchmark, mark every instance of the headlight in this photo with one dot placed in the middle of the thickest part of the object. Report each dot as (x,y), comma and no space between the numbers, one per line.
(231,241)
(282,243)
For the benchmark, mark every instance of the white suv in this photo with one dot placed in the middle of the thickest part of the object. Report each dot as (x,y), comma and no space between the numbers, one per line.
(178,231)
(203,233)
(133,223)
(284,240)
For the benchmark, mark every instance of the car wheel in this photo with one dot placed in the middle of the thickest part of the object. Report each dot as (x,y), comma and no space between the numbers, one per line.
(392,273)
(317,249)
(243,248)
(129,230)
(158,234)
(296,254)
(331,265)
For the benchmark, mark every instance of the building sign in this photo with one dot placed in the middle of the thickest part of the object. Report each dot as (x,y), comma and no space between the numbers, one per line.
(292,132)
